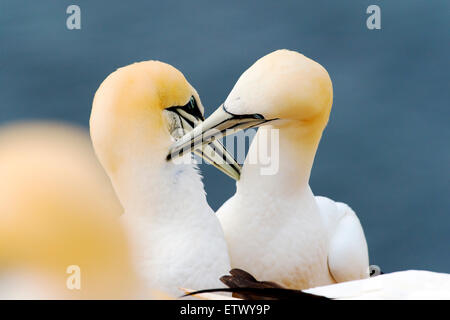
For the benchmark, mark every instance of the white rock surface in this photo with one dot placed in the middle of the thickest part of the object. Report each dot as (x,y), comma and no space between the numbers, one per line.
(403,285)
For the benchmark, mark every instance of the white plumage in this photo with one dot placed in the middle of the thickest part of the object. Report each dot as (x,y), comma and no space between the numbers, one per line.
(177,240)
(274,226)
(347,253)
(281,232)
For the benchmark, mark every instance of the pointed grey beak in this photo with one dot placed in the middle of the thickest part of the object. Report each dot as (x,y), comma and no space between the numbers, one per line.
(213,153)
(216,126)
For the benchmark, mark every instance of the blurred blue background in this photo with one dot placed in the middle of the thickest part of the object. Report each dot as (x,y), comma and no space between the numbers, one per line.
(386,149)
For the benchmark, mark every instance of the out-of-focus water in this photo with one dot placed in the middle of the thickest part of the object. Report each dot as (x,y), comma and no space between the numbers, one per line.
(386,149)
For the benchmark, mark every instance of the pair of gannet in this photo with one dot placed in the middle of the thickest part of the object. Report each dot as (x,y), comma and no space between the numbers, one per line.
(274,226)
(137,113)
(59,231)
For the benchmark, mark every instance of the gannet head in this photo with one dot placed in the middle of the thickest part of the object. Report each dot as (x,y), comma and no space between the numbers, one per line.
(140,110)
(283,85)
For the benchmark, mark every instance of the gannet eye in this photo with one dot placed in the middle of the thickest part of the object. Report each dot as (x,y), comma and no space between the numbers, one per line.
(183,117)
(192,108)
(192,104)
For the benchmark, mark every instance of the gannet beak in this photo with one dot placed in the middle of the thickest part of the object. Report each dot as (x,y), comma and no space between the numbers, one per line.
(218,125)
(214,153)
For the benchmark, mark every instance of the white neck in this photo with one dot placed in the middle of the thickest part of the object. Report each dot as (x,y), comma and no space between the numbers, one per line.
(173,231)
(293,151)
(163,190)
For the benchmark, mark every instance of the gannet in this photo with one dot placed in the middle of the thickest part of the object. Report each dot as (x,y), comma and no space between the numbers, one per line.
(275,227)
(58,212)
(178,241)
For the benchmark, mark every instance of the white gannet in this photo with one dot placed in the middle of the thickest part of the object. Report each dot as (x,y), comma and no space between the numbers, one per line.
(58,209)
(275,227)
(177,239)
